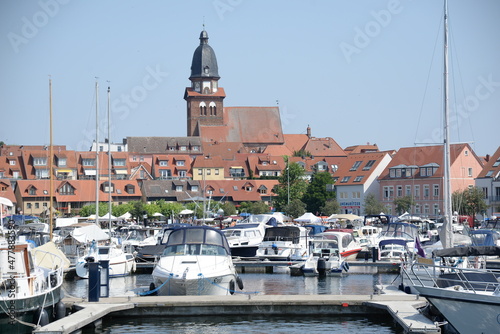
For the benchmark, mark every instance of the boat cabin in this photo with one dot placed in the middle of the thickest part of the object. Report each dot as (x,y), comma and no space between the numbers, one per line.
(196,240)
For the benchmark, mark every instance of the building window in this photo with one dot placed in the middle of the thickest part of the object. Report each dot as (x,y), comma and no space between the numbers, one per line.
(119,162)
(32,191)
(182,173)
(392,172)
(358,178)
(28,205)
(426,191)
(183,148)
(388,192)
(37,205)
(88,162)
(417,209)
(398,172)
(61,162)
(165,173)
(40,161)
(163,163)
(217,171)
(209,171)
(179,163)
(399,191)
(423,171)
(355,166)
(369,165)
(194,188)
(426,209)
(408,190)
(436,209)
(66,189)
(345,179)
(178,188)
(141,158)
(435,190)
(469,171)
(416,191)
(195,148)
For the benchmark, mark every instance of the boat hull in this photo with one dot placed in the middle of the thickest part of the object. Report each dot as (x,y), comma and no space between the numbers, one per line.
(468,312)
(195,275)
(26,310)
(118,268)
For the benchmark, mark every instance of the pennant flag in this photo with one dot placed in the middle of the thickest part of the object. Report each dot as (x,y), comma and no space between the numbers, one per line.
(418,247)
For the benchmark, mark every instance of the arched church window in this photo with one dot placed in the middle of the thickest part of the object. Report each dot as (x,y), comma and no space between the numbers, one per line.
(213,109)
(203,108)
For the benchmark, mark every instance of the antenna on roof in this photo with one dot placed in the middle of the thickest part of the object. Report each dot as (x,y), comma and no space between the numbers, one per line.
(203,22)
(278,102)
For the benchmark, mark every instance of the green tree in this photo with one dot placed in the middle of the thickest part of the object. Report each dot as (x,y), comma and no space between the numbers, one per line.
(138,210)
(302,153)
(330,207)
(316,194)
(469,201)
(373,206)
(296,208)
(229,208)
(291,185)
(403,204)
(121,209)
(88,210)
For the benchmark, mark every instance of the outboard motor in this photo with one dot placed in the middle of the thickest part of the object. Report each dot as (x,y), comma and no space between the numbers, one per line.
(321,267)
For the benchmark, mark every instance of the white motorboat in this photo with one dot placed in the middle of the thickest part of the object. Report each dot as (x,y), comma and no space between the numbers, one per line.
(196,261)
(284,243)
(329,254)
(120,263)
(244,239)
(397,241)
(30,285)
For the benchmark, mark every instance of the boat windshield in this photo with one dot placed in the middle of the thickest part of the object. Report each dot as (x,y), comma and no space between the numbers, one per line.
(196,241)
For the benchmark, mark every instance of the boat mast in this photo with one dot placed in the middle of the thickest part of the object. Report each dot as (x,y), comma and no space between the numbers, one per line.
(109,164)
(51,153)
(97,153)
(448,219)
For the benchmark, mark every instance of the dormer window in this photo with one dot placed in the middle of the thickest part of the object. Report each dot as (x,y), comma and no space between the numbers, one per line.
(355,166)
(206,69)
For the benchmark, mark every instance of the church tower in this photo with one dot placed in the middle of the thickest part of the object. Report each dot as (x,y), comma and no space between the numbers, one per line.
(204,98)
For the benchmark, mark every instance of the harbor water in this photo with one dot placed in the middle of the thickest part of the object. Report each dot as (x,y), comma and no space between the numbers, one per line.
(359,281)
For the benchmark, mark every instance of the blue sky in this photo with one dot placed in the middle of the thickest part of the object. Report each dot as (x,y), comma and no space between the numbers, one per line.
(356,71)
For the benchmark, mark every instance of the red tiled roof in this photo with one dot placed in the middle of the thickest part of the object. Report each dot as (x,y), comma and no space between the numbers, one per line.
(489,167)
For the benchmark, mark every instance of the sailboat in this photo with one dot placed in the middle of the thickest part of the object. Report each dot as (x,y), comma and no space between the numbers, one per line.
(120,262)
(30,278)
(468,298)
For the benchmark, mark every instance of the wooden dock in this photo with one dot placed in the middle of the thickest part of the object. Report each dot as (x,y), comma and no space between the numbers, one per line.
(401,306)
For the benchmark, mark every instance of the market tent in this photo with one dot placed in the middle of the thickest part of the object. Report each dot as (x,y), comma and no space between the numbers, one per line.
(126,215)
(186,212)
(106,216)
(157,214)
(308,217)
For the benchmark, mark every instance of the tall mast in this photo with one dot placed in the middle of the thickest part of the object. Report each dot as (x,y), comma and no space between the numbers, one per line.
(109,163)
(448,241)
(51,154)
(97,153)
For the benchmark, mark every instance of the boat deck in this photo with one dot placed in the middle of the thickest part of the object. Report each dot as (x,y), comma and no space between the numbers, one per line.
(401,306)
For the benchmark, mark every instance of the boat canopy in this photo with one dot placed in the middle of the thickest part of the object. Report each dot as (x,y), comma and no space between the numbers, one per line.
(467,251)
(383,243)
(198,235)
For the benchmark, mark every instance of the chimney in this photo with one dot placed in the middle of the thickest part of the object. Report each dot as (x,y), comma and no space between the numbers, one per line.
(308,131)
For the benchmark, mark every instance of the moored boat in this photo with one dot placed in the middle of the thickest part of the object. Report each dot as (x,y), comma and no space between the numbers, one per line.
(196,261)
